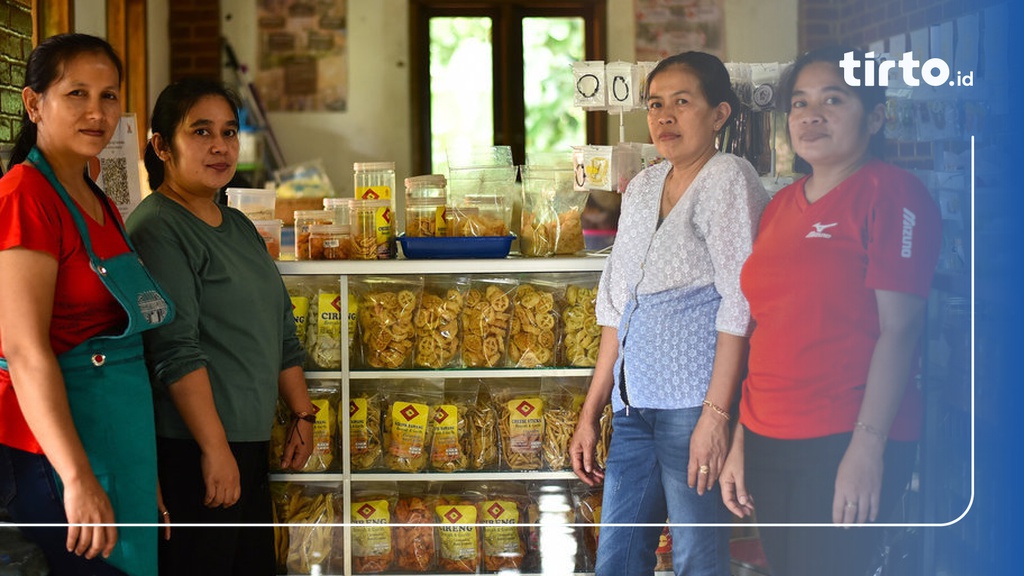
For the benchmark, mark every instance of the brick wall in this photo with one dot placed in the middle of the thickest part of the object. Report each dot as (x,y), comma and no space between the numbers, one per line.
(194,28)
(15,45)
(859,22)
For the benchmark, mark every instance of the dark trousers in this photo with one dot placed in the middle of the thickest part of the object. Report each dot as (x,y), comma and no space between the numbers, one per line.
(28,489)
(793,481)
(230,549)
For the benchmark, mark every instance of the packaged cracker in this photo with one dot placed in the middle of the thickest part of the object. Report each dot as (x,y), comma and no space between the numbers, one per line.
(451,444)
(486,317)
(386,308)
(587,503)
(309,546)
(409,412)
(563,398)
(365,424)
(520,424)
(373,508)
(533,334)
(606,436)
(323,329)
(301,292)
(483,430)
(581,335)
(325,396)
(415,546)
(437,323)
(504,511)
(458,538)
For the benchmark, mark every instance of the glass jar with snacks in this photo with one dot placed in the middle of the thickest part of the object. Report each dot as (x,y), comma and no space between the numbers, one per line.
(338,207)
(480,215)
(372,234)
(374,180)
(329,242)
(425,217)
(303,220)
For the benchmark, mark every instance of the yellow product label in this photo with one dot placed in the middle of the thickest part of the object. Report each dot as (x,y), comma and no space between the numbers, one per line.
(500,539)
(371,533)
(446,435)
(440,221)
(408,429)
(382,223)
(322,429)
(526,424)
(353,309)
(456,533)
(329,322)
(359,435)
(300,310)
(577,402)
(373,192)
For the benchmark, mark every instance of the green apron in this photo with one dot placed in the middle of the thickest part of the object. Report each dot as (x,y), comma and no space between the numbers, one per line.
(111,399)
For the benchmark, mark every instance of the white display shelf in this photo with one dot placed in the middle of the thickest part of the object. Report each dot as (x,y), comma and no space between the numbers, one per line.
(591,263)
(470,373)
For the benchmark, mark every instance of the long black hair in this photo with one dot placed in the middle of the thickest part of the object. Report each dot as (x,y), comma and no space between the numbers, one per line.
(712,74)
(46,66)
(170,110)
(869,96)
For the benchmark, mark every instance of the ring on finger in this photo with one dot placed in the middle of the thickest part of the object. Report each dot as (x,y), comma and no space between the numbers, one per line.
(850,505)
(704,469)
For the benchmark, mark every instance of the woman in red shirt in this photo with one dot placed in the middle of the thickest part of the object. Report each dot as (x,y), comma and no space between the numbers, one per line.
(837,282)
(77,443)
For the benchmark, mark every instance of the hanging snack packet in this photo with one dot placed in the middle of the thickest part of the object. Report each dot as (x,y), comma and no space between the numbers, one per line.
(486,318)
(563,398)
(386,308)
(503,543)
(520,424)
(483,430)
(415,546)
(437,323)
(458,539)
(534,329)
(409,423)
(581,336)
(451,444)
(364,425)
(372,546)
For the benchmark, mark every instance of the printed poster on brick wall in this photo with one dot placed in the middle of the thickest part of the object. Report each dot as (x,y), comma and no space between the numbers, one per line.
(116,170)
(302,62)
(667,27)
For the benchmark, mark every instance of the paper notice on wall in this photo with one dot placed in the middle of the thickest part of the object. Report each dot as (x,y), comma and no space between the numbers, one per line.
(116,169)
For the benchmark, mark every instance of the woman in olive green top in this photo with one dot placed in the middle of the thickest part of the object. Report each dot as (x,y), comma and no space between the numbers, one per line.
(219,367)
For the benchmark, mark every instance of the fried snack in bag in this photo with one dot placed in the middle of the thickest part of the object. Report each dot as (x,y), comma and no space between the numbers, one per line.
(520,424)
(452,440)
(372,538)
(409,412)
(483,431)
(563,398)
(324,396)
(587,502)
(385,317)
(533,334)
(606,436)
(323,329)
(458,540)
(365,425)
(504,546)
(310,546)
(437,325)
(415,546)
(581,334)
(486,317)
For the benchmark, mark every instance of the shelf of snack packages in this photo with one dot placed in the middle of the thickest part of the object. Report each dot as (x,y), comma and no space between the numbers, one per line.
(448,392)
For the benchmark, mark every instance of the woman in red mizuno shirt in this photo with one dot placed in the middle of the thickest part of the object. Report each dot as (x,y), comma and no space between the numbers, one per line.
(837,281)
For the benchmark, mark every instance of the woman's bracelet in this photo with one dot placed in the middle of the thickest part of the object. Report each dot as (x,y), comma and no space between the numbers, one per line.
(308,416)
(870,430)
(717,409)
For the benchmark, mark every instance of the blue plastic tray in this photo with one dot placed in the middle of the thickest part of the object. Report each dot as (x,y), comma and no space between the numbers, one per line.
(456,247)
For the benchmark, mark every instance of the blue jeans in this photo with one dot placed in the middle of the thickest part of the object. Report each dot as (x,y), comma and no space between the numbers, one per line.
(28,489)
(645,482)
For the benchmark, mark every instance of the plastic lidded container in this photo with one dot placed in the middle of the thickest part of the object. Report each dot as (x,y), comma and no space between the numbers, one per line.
(372,234)
(425,217)
(374,180)
(339,206)
(427,186)
(256,203)
(304,219)
(329,242)
(270,230)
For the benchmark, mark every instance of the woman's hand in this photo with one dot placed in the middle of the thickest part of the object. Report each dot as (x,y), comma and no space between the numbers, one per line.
(709,445)
(299,445)
(583,451)
(85,502)
(734,484)
(220,474)
(165,515)
(859,481)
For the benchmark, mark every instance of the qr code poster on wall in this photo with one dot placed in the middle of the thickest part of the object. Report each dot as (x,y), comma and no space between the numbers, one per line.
(116,169)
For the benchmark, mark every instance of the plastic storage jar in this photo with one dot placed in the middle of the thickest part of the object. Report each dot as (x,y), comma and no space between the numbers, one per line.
(339,207)
(372,234)
(303,220)
(256,203)
(270,230)
(329,242)
(374,180)
(425,217)
(427,186)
